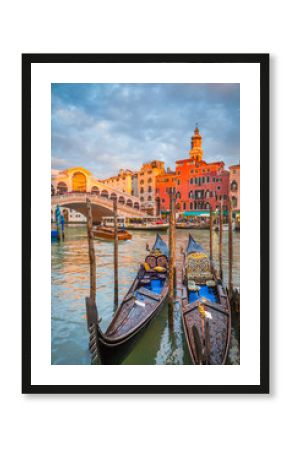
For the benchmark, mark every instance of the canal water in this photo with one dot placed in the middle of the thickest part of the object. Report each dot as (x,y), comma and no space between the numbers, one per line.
(162,342)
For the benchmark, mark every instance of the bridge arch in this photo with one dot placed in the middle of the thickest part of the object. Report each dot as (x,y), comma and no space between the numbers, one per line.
(61,188)
(113,196)
(79,182)
(95,190)
(105,193)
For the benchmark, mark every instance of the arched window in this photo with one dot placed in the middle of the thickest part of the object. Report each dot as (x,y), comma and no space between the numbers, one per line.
(178,195)
(177,206)
(130,203)
(121,200)
(141,199)
(149,188)
(141,190)
(149,180)
(191,205)
(61,188)
(234,202)
(234,186)
(95,190)
(79,182)
(142,182)
(105,194)
(207,205)
(149,198)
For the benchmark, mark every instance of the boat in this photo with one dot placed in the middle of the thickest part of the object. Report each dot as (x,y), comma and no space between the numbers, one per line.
(54,235)
(105,233)
(192,226)
(142,302)
(237,226)
(148,223)
(225,227)
(206,312)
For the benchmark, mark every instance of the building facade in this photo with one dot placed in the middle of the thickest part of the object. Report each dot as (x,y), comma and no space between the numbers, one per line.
(165,183)
(123,182)
(76,179)
(198,185)
(234,188)
(147,185)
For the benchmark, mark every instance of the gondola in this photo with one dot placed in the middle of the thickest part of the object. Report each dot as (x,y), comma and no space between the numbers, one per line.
(206,312)
(143,301)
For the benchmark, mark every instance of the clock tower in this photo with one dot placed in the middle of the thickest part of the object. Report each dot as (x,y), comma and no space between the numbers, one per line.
(196,151)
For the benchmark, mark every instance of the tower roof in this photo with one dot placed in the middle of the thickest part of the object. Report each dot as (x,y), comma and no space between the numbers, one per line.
(196,151)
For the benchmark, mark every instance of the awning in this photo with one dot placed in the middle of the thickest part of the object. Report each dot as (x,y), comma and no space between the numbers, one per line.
(196,213)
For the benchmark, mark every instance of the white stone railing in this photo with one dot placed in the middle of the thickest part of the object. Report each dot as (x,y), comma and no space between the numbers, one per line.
(81,197)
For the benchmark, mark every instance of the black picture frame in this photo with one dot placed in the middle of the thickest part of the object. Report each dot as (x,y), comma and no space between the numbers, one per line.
(27,61)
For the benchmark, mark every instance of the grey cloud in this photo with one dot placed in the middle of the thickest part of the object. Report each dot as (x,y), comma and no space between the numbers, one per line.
(106,127)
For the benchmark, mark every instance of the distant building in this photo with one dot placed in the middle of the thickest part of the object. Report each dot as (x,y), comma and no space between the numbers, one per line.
(147,185)
(200,185)
(123,182)
(135,186)
(76,179)
(165,183)
(70,215)
(234,188)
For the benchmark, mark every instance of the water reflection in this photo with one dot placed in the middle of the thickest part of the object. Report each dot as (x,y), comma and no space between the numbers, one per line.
(162,342)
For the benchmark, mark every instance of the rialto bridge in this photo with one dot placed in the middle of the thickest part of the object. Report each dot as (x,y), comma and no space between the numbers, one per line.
(70,189)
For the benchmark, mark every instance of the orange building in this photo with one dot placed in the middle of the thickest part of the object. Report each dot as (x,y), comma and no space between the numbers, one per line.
(199,185)
(164,184)
(147,185)
(234,192)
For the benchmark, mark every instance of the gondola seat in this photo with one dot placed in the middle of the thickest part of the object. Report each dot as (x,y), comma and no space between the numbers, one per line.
(198,268)
(151,261)
(162,261)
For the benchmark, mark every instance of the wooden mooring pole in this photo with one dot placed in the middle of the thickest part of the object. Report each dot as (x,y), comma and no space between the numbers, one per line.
(91,306)
(230,282)
(172,245)
(116,287)
(221,242)
(210,234)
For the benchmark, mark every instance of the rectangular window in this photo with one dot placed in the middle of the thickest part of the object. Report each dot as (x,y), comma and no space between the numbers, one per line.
(184,206)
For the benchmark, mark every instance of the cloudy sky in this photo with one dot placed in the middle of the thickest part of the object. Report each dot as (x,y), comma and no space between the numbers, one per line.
(105,127)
